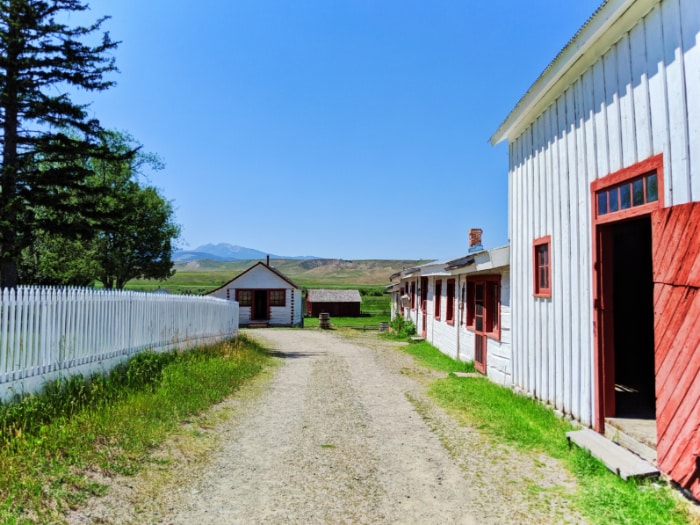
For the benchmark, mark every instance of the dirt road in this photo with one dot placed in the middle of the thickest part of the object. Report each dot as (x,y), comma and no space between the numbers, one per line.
(342,433)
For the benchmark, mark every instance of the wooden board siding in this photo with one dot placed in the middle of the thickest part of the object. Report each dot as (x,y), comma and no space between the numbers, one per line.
(676,252)
(640,98)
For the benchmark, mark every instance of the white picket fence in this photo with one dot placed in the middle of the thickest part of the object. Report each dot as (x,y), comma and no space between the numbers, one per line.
(47,333)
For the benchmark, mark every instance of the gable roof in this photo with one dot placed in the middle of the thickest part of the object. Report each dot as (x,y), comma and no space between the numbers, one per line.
(256,265)
(601,31)
(333,296)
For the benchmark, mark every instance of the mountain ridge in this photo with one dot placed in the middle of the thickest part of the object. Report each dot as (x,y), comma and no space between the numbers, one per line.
(229,252)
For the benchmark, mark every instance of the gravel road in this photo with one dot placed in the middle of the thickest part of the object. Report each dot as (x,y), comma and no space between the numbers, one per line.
(342,432)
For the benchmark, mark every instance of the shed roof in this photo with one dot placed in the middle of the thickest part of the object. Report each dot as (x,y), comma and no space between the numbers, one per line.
(334,296)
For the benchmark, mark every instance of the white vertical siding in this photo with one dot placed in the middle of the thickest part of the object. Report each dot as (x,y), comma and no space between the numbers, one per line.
(639,99)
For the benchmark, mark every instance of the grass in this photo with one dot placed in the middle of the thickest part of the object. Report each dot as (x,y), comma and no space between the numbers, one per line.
(365,321)
(430,357)
(52,442)
(506,417)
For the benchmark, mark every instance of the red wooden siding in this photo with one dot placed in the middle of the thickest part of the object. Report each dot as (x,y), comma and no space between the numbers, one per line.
(676,252)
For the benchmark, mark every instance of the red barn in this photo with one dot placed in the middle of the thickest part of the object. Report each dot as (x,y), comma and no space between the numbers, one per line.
(337,303)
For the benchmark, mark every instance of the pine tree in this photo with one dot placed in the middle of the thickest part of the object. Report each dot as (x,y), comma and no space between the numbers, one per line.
(41,59)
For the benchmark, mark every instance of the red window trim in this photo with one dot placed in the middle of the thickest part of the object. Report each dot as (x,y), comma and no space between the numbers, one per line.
(655,163)
(495,317)
(537,289)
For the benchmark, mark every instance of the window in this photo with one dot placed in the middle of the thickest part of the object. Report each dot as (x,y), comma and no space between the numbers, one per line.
(438,297)
(450,307)
(542,264)
(484,305)
(630,192)
(244,297)
(278,298)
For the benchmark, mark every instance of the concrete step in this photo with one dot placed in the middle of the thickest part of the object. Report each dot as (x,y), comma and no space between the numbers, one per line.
(619,460)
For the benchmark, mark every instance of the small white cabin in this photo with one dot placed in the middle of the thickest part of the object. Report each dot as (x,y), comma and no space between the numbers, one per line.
(265,296)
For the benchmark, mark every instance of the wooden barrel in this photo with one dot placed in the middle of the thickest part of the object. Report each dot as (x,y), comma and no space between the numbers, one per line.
(324,320)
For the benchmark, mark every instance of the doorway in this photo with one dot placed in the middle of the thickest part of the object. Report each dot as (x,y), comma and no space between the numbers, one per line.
(424,306)
(260,309)
(626,314)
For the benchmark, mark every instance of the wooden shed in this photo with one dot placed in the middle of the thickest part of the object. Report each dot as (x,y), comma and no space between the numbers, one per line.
(337,303)
(266,297)
(604,178)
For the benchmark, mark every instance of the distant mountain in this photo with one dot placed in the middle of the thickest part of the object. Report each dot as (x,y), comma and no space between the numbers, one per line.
(228,252)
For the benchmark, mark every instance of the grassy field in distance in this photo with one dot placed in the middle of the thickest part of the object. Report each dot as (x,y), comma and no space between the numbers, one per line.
(199,277)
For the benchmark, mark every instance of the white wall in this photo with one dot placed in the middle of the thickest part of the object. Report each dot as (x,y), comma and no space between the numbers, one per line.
(259,277)
(641,98)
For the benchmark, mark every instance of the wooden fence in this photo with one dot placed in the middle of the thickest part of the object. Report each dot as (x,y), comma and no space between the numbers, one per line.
(48,333)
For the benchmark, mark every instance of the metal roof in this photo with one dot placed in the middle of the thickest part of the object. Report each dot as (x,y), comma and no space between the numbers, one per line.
(333,296)
(602,29)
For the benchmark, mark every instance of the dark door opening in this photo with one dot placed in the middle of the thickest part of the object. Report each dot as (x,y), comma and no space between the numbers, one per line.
(424,306)
(260,309)
(628,327)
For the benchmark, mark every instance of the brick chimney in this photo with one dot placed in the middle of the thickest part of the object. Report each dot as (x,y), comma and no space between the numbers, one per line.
(475,240)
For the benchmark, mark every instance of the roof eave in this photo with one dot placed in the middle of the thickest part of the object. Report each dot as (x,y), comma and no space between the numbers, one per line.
(605,27)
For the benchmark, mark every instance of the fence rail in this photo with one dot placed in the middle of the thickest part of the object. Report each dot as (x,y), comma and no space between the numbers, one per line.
(46,333)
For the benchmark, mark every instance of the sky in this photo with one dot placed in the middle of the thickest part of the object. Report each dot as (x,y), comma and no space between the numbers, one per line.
(353,129)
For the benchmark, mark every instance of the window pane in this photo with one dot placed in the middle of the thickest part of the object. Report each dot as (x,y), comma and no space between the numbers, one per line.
(638,192)
(479,324)
(479,309)
(613,199)
(625,197)
(479,292)
(652,188)
(602,203)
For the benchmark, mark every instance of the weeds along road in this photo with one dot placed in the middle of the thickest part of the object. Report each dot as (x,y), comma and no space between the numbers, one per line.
(343,432)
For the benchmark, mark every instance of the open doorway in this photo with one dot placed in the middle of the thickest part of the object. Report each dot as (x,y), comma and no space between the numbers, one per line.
(627,388)
(633,319)
(260,309)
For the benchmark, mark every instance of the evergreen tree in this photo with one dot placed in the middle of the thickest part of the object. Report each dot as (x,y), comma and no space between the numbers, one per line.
(131,235)
(41,58)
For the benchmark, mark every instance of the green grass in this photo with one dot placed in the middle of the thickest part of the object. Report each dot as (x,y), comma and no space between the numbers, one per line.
(369,321)
(431,357)
(519,421)
(49,443)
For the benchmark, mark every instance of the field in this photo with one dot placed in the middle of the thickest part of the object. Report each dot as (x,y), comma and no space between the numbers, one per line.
(368,276)
(199,277)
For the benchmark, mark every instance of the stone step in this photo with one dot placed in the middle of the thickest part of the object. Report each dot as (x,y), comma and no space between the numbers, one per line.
(619,460)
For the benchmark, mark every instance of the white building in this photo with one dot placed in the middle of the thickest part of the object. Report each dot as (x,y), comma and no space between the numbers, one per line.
(265,296)
(462,307)
(604,182)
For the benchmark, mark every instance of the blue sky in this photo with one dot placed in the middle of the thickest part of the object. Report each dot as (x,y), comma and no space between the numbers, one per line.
(355,129)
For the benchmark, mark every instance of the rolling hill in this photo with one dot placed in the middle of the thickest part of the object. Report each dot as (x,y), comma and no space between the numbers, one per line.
(203,275)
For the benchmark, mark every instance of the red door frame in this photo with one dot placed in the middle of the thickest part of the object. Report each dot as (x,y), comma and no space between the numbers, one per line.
(603,355)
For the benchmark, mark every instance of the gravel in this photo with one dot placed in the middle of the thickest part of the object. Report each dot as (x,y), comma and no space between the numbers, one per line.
(341,432)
